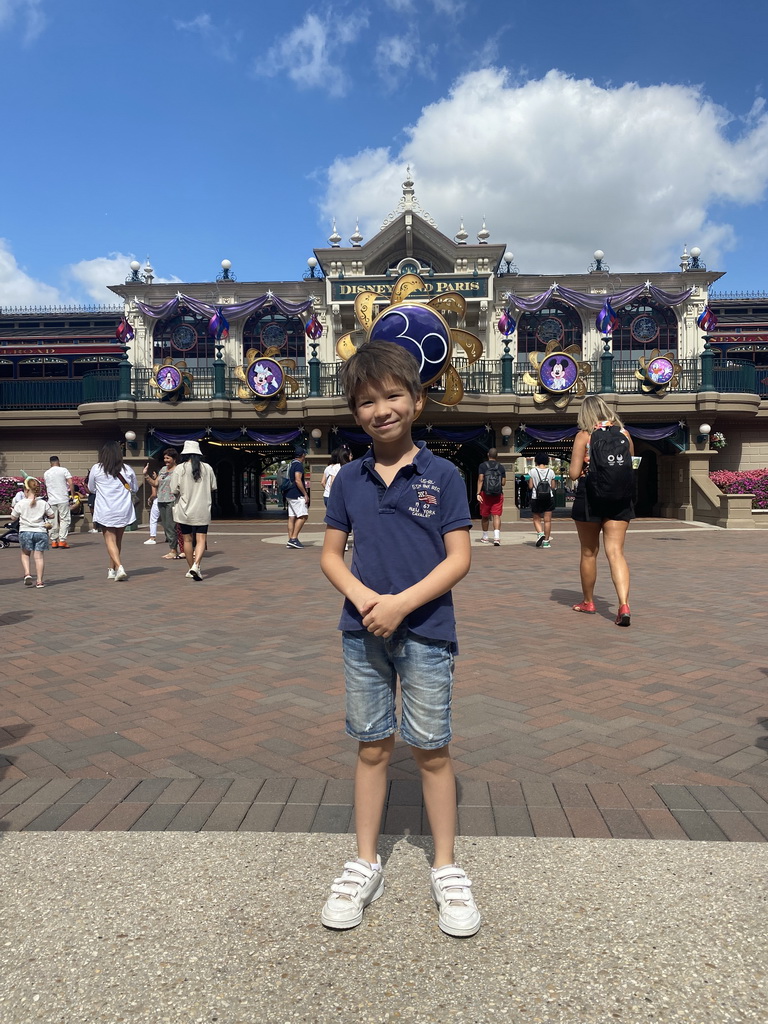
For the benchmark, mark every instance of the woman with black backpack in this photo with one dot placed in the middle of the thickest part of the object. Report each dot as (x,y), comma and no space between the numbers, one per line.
(601,462)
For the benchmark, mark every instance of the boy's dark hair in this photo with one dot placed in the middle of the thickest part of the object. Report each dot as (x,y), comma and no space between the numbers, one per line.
(542,459)
(378,361)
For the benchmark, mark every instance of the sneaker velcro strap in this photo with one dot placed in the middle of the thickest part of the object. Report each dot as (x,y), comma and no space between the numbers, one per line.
(454,884)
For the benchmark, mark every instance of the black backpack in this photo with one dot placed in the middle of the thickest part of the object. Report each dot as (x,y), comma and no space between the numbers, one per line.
(543,490)
(493,479)
(610,479)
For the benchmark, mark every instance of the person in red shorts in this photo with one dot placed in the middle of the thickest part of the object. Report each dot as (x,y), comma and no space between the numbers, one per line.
(491,477)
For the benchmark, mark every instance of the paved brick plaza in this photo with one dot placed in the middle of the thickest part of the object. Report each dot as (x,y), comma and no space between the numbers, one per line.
(161,703)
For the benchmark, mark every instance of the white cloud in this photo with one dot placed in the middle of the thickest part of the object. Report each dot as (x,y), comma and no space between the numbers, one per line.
(397,56)
(17,288)
(318,41)
(219,40)
(28,12)
(561,166)
(94,276)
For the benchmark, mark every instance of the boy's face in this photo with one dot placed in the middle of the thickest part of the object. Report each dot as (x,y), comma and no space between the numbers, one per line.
(385,410)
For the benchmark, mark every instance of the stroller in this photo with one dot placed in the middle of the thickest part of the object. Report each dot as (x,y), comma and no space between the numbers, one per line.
(11,535)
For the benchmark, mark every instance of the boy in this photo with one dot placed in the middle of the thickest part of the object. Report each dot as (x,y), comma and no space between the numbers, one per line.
(409,512)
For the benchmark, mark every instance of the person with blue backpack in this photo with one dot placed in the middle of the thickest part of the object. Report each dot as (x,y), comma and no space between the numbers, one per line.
(601,462)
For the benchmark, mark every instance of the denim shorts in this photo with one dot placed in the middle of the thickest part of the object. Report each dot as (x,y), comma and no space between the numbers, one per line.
(371,667)
(33,541)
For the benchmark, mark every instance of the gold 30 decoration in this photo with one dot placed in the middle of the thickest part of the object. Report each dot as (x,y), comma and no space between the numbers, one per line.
(559,376)
(658,372)
(264,378)
(421,329)
(171,380)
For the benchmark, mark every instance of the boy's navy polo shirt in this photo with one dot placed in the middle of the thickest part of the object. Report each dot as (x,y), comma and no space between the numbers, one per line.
(399,532)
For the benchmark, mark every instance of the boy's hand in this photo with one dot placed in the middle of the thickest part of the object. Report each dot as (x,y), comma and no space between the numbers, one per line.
(384,616)
(365,600)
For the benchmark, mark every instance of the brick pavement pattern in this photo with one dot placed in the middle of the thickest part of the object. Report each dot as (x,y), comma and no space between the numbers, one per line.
(162,703)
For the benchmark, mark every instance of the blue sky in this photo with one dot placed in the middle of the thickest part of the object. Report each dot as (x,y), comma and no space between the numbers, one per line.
(190,132)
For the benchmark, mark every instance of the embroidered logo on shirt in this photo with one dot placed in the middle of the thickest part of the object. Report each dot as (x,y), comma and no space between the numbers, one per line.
(426,495)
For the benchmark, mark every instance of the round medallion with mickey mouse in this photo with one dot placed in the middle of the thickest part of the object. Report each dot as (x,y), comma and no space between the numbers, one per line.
(558,373)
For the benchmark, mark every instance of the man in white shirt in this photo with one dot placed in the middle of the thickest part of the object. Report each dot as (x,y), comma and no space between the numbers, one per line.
(60,487)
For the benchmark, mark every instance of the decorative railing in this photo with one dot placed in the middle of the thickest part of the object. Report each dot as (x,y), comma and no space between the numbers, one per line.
(485,377)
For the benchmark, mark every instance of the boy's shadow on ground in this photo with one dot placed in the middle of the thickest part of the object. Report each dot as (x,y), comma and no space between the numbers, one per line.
(14,618)
(571,597)
(387,846)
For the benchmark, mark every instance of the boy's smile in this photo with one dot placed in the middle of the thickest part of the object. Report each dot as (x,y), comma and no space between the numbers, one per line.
(386,411)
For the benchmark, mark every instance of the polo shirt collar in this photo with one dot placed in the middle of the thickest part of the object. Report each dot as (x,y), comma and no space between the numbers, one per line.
(420,462)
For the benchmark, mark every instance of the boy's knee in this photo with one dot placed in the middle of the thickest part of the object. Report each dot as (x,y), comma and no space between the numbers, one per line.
(376,753)
(431,760)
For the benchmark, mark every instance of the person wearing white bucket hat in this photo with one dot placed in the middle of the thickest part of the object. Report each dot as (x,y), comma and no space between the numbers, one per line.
(193,483)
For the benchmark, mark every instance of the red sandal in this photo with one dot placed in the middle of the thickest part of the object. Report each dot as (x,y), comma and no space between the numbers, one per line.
(622,619)
(588,607)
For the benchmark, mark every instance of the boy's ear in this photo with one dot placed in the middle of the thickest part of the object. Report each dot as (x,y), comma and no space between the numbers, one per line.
(419,404)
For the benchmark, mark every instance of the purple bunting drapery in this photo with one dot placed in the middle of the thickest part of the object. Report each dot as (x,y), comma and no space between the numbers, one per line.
(226,435)
(642,433)
(234,312)
(582,300)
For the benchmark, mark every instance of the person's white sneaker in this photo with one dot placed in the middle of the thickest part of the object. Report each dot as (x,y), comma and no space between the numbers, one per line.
(194,572)
(93,531)
(121,574)
(150,541)
(451,890)
(358,885)
(111,574)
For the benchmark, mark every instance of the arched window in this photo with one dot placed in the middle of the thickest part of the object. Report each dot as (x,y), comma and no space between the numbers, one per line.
(43,367)
(184,336)
(556,322)
(644,327)
(274,330)
(89,364)
(6,369)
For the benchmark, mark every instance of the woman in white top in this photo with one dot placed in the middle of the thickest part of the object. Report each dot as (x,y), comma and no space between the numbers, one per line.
(114,483)
(35,517)
(339,456)
(193,483)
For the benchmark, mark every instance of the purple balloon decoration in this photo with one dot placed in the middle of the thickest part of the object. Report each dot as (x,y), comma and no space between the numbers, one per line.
(507,323)
(314,328)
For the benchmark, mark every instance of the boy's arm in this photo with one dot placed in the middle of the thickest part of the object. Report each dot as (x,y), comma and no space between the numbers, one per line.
(389,610)
(335,568)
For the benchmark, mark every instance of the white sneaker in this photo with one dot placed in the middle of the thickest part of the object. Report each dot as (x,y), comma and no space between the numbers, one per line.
(189,575)
(195,573)
(150,541)
(121,574)
(451,891)
(93,531)
(359,885)
(111,574)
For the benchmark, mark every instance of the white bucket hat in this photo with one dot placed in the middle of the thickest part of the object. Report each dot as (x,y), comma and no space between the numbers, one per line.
(191,448)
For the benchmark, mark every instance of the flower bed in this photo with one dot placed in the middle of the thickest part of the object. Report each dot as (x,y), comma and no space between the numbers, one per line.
(749,481)
(8,488)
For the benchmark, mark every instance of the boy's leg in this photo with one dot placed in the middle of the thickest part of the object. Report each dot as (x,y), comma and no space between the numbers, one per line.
(371,794)
(438,784)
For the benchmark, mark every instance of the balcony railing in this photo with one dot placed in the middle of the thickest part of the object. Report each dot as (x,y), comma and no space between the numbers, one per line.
(482,378)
